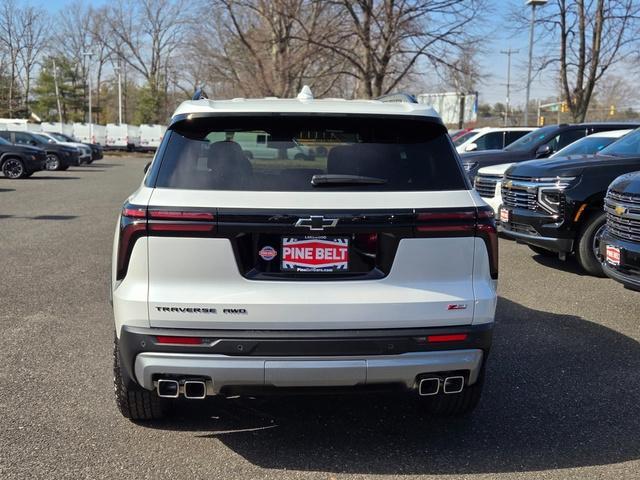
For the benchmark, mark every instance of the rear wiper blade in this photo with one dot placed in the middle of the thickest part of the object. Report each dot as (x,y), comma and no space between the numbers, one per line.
(337,179)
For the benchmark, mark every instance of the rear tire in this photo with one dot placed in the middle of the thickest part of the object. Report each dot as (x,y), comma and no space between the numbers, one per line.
(53,162)
(133,401)
(543,251)
(588,243)
(456,404)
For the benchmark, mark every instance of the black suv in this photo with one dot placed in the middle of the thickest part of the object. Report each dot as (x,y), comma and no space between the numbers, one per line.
(556,206)
(20,161)
(97,152)
(537,144)
(620,239)
(59,157)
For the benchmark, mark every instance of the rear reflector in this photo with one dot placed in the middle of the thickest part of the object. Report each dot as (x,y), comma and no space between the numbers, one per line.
(178,340)
(452,337)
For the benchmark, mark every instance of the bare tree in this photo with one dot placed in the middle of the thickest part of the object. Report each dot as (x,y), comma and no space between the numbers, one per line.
(383,41)
(73,39)
(9,39)
(149,34)
(463,73)
(33,30)
(99,39)
(259,47)
(591,37)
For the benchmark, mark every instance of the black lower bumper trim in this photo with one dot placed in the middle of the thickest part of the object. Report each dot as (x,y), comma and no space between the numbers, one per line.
(300,343)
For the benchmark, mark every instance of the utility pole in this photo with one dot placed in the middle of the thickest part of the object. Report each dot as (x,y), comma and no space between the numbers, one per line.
(118,70)
(89,55)
(534,4)
(508,53)
(55,84)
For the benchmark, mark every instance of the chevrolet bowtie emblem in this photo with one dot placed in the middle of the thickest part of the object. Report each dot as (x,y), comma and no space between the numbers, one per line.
(508,184)
(621,210)
(317,222)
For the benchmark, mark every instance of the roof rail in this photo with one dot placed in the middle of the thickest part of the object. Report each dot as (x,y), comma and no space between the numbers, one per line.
(199,94)
(398,98)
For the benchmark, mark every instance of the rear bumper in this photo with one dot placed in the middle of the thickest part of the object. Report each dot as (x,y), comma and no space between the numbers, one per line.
(333,358)
(282,372)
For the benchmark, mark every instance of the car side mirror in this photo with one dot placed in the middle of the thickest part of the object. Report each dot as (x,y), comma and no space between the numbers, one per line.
(146,167)
(471,147)
(33,142)
(544,151)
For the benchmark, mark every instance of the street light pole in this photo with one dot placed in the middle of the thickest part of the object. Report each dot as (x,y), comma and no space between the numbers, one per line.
(89,55)
(118,70)
(534,4)
(508,53)
(55,84)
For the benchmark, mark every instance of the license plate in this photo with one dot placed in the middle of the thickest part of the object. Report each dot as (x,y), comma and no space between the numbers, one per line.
(315,254)
(504,215)
(613,255)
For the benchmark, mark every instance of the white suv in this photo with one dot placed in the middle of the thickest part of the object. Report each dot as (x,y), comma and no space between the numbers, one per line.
(373,266)
(489,138)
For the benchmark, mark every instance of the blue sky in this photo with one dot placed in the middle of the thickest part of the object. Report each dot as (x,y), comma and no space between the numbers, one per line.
(494,64)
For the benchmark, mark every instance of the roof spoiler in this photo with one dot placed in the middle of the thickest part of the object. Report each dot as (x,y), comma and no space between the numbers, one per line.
(398,98)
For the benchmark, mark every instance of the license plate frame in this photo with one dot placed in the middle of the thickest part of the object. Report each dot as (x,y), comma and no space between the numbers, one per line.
(613,255)
(314,254)
(504,215)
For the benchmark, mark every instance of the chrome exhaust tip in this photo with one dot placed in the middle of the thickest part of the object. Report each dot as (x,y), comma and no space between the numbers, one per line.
(168,388)
(453,384)
(195,389)
(429,386)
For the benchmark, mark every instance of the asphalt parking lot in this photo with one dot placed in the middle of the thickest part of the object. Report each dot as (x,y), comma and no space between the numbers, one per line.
(562,398)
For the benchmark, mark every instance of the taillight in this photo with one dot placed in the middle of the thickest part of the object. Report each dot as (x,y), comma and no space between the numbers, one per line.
(180,221)
(478,222)
(455,222)
(486,229)
(136,222)
(133,225)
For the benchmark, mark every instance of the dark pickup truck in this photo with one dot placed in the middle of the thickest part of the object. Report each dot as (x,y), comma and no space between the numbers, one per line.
(537,144)
(557,206)
(620,240)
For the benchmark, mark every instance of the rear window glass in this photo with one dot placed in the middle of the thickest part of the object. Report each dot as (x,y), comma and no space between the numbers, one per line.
(291,153)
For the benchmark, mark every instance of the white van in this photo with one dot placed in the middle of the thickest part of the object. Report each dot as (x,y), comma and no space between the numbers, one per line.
(151,135)
(99,134)
(122,136)
(57,127)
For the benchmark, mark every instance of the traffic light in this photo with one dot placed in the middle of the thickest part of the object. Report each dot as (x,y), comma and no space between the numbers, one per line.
(612,110)
(564,108)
